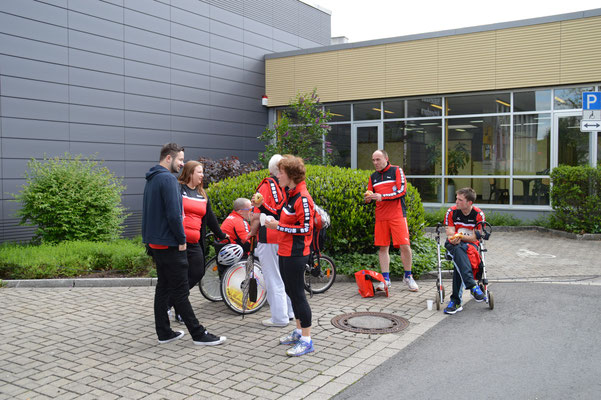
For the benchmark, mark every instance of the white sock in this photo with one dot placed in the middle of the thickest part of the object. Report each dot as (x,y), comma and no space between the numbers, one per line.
(298,331)
(306,339)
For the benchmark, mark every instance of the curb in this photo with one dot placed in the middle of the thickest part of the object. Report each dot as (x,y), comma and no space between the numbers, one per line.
(81,282)
(540,229)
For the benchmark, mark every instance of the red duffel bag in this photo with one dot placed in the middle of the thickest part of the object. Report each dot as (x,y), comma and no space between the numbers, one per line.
(365,278)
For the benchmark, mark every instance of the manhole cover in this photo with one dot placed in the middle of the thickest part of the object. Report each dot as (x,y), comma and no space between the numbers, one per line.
(370,322)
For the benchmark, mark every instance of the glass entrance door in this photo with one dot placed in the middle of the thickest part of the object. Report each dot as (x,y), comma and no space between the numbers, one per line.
(573,146)
(366,138)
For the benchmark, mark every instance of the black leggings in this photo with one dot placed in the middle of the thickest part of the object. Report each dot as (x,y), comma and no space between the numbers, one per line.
(196,263)
(292,270)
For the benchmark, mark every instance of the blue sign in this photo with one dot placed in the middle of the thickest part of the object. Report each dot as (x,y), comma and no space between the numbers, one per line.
(591,100)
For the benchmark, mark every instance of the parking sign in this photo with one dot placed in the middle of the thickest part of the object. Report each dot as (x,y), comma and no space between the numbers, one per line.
(591,112)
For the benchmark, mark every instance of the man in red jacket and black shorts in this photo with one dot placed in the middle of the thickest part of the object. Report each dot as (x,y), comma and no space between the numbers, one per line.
(387,187)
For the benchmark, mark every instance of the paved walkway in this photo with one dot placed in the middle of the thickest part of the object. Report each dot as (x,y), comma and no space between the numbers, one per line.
(80,343)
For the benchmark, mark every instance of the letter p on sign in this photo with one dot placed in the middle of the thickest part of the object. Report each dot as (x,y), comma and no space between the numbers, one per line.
(591,100)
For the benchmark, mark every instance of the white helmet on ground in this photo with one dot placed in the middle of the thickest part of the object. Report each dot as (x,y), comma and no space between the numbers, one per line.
(230,254)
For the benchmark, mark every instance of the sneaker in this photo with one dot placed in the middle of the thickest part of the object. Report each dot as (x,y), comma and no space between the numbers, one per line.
(477,294)
(269,322)
(174,336)
(301,348)
(208,339)
(411,284)
(453,308)
(292,338)
(381,288)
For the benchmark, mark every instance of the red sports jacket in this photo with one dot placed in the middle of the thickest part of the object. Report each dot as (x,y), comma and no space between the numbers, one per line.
(295,229)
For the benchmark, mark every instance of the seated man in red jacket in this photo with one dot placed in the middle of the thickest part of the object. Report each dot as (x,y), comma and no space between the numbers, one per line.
(236,224)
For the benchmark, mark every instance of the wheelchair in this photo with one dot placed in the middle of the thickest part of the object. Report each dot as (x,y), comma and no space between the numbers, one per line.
(480,274)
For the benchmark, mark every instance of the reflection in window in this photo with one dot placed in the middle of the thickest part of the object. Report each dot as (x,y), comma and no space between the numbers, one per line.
(367,143)
(573,144)
(339,112)
(488,190)
(531,191)
(531,144)
(394,109)
(290,112)
(479,104)
(415,146)
(340,142)
(569,98)
(429,189)
(478,146)
(426,107)
(366,111)
(539,100)
(599,148)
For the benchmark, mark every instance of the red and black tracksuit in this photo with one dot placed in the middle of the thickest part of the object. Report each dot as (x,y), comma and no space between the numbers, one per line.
(465,255)
(295,231)
(273,200)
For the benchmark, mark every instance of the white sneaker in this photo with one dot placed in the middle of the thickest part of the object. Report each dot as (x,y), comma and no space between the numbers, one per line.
(269,322)
(171,314)
(380,287)
(411,284)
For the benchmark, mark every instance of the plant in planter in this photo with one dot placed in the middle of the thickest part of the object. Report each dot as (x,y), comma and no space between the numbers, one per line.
(457,158)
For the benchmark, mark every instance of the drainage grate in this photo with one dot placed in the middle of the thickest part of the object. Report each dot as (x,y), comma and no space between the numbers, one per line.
(370,322)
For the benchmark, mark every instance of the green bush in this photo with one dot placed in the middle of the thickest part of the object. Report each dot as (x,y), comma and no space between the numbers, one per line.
(71,198)
(576,199)
(340,192)
(72,258)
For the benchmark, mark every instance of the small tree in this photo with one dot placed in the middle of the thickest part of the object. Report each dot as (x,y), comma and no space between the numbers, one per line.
(71,198)
(300,131)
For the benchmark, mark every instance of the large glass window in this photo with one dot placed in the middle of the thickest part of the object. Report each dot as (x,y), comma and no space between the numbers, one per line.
(366,111)
(415,145)
(531,191)
(531,144)
(367,143)
(429,189)
(598,148)
(340,142)
(426,107)
(478,146)
(536,100)
(394,109)
(479,104)
(339,112)
(568,98)
(573,148)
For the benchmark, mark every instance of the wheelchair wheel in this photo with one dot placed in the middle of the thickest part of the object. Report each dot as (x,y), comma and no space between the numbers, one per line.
(233,284)
(491,299)
(326,277)
(210,284)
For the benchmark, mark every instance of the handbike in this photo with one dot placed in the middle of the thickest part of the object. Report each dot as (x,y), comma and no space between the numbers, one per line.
(320,273)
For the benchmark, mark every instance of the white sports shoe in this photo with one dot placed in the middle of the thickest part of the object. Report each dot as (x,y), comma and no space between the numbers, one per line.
(380,287)
(411,284)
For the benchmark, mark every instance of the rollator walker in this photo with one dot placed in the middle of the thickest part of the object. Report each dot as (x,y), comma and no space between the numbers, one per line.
(480,273)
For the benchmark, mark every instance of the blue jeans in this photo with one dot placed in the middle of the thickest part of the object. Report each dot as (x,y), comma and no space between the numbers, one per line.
(172,287)
(462,273)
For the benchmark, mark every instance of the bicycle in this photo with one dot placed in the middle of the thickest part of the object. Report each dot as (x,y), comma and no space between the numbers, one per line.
(320,272)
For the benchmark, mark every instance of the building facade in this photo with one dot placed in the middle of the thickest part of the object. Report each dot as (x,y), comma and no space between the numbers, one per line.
(119,78)
(493,107)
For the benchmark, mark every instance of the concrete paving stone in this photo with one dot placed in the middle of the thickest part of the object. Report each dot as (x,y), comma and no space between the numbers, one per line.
(336,371)
(130,393)
(348,378)
(317,396)
(331,388)
(301,392)
(167,394)
(142,387)
(320,380)
(183,389)
(10,390)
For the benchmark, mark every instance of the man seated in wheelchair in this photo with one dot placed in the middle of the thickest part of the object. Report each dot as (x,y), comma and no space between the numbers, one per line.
(462,247)
(236,225)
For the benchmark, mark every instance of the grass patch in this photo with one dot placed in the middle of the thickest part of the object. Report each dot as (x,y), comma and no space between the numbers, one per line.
(73,258)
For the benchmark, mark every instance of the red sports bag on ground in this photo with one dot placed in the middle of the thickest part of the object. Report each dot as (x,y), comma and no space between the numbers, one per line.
(365,278)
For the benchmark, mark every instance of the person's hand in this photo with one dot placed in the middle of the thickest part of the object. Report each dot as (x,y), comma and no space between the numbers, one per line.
(257,200)
(271,223)
(182,247)
(455,239)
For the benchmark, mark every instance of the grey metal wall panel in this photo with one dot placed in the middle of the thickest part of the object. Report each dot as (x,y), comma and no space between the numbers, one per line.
(121,78)
(19,67)
(34,30)
(35,90)
(95,97)
(96,133)
(36,10)
(32,49)
(32,129)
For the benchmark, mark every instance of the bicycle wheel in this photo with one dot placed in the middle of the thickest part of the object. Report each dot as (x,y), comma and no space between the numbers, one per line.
(210,284)
(233,284)
(326,277)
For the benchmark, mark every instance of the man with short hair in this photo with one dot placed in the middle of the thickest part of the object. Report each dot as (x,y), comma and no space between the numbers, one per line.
(236,224)
(387,187)
(462,245)
(163,232)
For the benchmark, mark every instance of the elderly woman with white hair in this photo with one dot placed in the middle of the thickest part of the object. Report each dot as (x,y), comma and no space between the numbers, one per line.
(269,199)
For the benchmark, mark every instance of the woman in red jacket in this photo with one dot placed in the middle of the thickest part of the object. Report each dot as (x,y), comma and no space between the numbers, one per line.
(295,231)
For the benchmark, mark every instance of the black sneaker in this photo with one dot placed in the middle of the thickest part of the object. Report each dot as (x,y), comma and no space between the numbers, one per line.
(453,308)
(208,339)
(477,294)
(174,336)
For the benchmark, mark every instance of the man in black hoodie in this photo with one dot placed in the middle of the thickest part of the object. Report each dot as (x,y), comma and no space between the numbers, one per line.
(163,232)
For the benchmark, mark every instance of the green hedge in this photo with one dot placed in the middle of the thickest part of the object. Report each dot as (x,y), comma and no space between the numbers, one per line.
(340,192)
(576,198)
(73,258)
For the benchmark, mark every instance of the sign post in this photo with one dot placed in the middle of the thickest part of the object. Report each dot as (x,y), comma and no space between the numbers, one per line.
(591,112)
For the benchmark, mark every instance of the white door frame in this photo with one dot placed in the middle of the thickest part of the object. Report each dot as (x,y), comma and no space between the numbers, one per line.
(354,126)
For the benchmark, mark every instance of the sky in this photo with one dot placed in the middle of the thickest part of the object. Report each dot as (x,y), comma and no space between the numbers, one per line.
(361,20)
